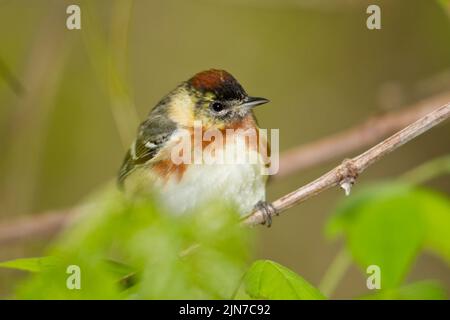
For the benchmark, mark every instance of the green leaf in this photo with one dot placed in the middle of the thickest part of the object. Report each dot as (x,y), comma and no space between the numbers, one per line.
(269,280)
(423,290)
(435,211)
(389,235)
(390,223)
(349,210)
(30,264)
(384,226)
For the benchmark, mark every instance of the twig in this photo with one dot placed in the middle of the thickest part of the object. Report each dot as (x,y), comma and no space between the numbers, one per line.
(346,173)
(40,225)
(360,136)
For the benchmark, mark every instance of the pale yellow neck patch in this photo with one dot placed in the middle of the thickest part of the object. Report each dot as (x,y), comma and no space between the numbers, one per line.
(181,109)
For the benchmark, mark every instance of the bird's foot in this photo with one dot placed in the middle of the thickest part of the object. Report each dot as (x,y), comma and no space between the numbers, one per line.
(268,210)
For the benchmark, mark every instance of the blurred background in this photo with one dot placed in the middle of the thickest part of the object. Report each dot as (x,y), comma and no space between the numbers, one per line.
(70,100)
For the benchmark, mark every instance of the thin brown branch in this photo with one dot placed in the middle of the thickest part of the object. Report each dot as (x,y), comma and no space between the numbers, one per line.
(35,227)
(355,138)
(297,159)
(346,173)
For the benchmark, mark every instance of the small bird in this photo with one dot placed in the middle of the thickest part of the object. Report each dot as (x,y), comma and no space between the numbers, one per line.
(216,100)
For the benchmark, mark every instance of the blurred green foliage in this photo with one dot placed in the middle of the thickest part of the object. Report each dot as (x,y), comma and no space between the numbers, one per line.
(134,250)
(423,290)
(202,255)
(388,225)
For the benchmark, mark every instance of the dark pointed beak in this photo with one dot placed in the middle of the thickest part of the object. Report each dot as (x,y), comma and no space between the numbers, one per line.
(251,102)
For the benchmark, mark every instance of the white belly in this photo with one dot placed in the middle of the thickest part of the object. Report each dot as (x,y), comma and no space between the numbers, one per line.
(242,185)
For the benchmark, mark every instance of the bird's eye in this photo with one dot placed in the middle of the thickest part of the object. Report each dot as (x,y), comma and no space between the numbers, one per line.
(217,106)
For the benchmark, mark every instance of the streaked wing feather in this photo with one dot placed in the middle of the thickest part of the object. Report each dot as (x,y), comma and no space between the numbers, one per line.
(153,134)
